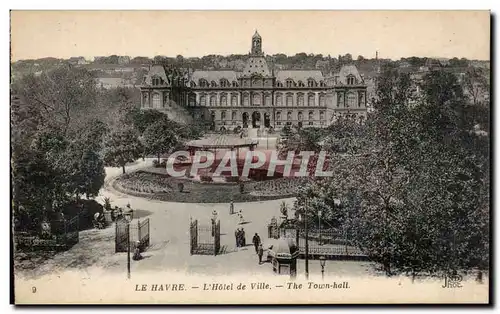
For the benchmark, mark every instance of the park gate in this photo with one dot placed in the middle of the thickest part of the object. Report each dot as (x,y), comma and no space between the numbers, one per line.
(204,240)
(139,231)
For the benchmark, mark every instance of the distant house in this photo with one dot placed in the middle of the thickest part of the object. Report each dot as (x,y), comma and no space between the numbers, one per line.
(77,60)
(404,64)
(113,82)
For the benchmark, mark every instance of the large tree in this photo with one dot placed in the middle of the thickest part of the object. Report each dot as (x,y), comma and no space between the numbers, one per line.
(415,197)
(122,147)
(160,137)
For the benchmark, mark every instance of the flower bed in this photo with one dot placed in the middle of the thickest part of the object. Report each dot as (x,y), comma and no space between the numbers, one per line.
(277,187)
(161,187)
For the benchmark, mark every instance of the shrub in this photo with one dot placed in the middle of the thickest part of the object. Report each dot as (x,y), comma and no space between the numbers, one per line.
(107,204)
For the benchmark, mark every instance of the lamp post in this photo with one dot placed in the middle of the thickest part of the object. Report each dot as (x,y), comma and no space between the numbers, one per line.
(214,222)
(129,215)
(319,225)
(322,262)
(307,239)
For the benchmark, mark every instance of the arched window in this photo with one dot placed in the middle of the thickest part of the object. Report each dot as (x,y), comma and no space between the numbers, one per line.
(278,115)
(213,84)
(235,84)
(322,84)
(234,100)
(340,99)
(301,84)
(156,100)
(289,115)
(351,100)
(192,99)
(310,100)
(203,100)
(279,84)
(289,100)
(322,99)
(289,83)
(311,115)
(224,83)
(223,100)
(256,100)
(223,115)
(350,80)
(233,115)
(322,115)
(267,100)
(300,116)
(192,84)
(311,83)
(246,100)
(279,100)
(300,99)
(361,99)
(212,114)
(213,100)
(146,100)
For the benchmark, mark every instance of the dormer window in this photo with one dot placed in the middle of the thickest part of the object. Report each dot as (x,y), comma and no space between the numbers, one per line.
(322,84)
(192,84)
(203,83)
(279,84)
(311,83)
(224,83)
(289,83)
(350,80)
(235,84)
(213,84)
(301,84)
(156,81)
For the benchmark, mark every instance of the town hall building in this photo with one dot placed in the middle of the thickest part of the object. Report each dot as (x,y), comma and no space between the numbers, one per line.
(257,96)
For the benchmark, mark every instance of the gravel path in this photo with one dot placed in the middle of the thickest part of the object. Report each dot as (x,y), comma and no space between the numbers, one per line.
(169,249)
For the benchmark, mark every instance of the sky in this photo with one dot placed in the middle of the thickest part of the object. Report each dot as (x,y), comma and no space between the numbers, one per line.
(394,34)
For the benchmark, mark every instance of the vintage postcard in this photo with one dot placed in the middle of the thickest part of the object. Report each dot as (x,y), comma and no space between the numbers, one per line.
(250,157)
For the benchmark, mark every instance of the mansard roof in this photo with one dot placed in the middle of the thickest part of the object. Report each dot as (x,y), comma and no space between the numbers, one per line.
(156,70)
(299,75)
(349,70)
(214,76)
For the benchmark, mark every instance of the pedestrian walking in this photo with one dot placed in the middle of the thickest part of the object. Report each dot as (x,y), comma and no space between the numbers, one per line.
(240,214)
(243,238)
(237,237)
(256,242)
(260,253)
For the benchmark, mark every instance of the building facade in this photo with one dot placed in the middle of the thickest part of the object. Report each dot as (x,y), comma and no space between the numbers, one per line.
(257,96)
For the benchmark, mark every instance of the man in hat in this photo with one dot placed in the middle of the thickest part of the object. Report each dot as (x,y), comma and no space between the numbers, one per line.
(256,242)
(237,237)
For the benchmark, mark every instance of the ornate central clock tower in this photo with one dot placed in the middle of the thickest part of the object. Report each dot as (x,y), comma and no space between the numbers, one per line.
(256,44)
